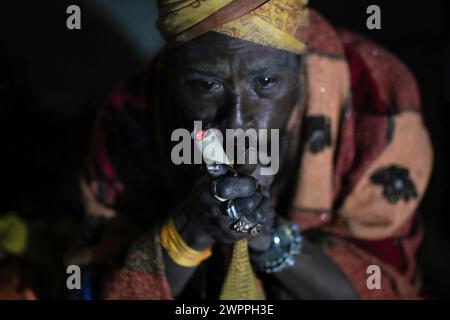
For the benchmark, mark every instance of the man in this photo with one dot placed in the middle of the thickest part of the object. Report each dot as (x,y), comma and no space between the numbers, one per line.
(354,163)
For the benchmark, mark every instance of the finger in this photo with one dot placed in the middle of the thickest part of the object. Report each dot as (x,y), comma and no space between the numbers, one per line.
(246,205)
(264,214)
(234,187)
(222,229)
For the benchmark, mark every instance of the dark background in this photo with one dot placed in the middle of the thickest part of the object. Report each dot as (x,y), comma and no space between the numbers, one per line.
(52,81)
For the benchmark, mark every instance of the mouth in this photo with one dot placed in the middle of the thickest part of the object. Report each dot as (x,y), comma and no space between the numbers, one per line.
(244,148)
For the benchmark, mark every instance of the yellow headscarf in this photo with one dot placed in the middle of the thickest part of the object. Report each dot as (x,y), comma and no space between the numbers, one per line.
(275,23)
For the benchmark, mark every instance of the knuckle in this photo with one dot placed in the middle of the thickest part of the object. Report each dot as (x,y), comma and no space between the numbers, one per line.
(233,187)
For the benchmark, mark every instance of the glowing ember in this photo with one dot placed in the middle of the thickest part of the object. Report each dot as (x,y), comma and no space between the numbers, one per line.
(200,135)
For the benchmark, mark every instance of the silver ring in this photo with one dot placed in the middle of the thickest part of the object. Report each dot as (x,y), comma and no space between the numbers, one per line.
(243,225)
(255,230)
(214,192)
(231,211)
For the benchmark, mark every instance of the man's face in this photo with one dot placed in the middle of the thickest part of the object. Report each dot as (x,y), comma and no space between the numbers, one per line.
(228,83)
(231,83)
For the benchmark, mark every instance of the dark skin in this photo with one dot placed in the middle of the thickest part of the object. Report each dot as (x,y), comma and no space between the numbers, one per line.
(231,83)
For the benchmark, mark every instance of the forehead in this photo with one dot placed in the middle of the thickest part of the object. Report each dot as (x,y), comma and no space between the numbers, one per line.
(221,51)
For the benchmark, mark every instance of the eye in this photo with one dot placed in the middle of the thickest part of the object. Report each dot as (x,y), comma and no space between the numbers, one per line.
(207,85)
(266,82)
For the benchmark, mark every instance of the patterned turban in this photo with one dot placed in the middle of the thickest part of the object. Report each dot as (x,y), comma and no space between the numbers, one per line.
(274,23)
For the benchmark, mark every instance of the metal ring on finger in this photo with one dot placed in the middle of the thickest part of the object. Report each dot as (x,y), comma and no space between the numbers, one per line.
(214,192)
(231,211)
(243,225)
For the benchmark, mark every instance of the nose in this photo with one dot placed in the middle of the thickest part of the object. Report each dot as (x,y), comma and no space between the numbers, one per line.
(238,114)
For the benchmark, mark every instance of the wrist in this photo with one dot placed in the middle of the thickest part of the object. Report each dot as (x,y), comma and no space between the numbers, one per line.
(286,243)
(191,233)
(178,250)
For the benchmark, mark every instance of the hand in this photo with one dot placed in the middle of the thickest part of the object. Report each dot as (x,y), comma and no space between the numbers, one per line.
(202,219)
